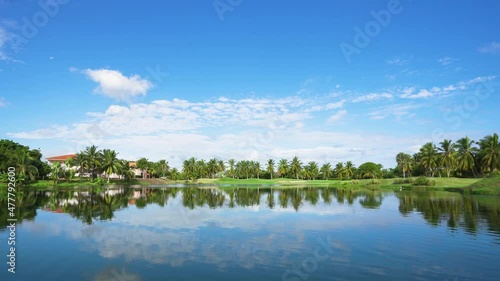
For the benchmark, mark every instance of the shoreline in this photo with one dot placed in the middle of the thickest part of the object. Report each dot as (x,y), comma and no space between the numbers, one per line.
(476,186)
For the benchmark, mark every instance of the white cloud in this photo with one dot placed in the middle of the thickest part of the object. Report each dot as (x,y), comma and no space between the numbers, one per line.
(328,106)
(114,84)
(396,110)
(397,61)
(3,102)
(337,116)
(444,61)
(412,93)
(372,97)
(5,38)
(73,69)
(492,48)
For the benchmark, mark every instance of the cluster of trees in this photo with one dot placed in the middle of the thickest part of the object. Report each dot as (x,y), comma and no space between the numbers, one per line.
(465,158)
(97,162)
(28,162)
(193,168)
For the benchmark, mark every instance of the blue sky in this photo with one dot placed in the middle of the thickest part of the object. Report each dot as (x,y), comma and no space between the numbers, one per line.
(248,79)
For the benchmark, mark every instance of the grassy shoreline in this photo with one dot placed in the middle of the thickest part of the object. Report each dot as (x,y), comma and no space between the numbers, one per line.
(487,186)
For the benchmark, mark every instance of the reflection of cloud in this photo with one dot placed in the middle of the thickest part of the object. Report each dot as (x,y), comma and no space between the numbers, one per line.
(164,235)
(115,274)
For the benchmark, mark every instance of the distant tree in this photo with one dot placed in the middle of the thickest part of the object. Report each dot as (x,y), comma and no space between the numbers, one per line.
(270,167)
(326,171)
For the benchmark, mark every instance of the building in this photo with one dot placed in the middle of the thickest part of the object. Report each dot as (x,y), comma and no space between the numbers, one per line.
(60,159)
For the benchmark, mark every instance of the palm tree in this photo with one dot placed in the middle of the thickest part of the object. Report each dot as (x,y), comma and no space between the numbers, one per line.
(232,164)
(174,174)
(125,170)
(79,161)
(283,167)
(339,170)
(93,157)
(326,170)
(25,166)
(296,166)
(490,148)
(404,162)
(312,170)
(466,153)
(189,168)
(163,167)
(447,155)
(270,167)
(110,163)
(256,168)
(212,167)
(429,157)
(349,169)
(222,167)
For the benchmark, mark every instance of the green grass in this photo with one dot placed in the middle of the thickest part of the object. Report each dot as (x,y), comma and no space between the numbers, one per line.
(487,186)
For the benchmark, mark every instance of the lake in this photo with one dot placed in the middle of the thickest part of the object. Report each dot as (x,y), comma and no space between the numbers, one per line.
(248,233)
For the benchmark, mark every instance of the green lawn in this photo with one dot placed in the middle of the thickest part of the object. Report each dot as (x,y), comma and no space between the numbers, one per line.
(487,186)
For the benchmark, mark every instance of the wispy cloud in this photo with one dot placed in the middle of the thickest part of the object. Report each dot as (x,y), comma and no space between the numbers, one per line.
(414,93)
(492,48)
(114,84)
(337,116)
(5,39)
(397,61)
(372,97)
(444,61)
(396,110)
(3,102)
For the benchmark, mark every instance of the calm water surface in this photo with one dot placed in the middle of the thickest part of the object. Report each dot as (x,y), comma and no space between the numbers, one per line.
(129,234)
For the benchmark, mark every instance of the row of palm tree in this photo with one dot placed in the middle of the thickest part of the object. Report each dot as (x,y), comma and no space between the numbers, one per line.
(193,168)
(465,156)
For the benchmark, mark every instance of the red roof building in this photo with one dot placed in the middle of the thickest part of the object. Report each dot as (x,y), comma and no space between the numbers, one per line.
(60,158)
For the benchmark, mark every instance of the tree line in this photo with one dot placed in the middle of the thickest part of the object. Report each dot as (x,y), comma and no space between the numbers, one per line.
(463,158)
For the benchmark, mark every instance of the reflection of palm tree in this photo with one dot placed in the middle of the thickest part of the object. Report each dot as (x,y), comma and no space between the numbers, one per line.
(371,200)
(270,199)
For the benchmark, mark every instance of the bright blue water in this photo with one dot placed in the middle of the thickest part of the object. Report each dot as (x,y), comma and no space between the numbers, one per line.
(203,234)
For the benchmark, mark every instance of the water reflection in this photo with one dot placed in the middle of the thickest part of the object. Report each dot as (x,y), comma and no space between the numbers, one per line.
(456,211)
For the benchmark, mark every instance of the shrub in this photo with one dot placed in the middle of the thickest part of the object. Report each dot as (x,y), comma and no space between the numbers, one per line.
(354,181)
(403,181)
(423,181)
(374,181)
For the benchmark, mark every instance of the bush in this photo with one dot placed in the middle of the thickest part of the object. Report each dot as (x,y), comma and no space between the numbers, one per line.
(374,181)
(423,181)
(403,181)
(354,181)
